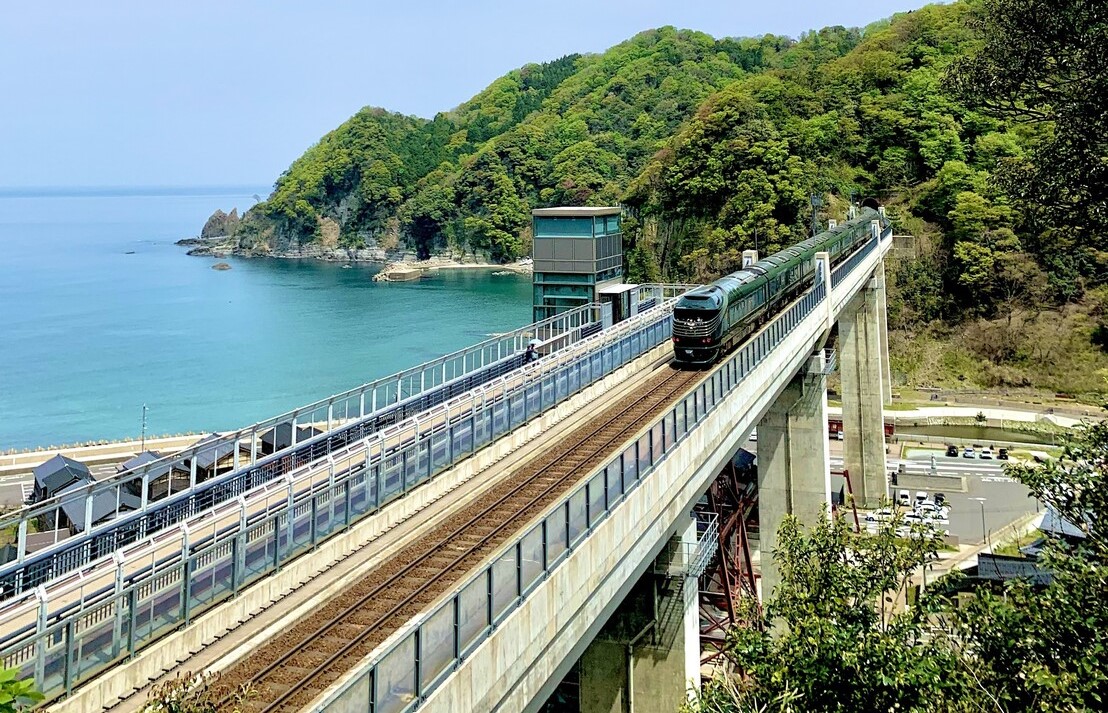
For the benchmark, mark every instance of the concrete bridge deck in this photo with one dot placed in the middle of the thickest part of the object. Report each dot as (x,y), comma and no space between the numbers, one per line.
(623,515)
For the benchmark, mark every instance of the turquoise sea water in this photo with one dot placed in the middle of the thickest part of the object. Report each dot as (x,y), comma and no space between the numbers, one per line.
(100,312)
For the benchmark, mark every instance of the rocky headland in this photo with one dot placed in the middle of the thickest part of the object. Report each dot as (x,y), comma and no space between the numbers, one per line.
(228,234)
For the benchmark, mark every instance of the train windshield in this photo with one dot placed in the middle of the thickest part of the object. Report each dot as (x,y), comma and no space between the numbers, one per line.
(691,315)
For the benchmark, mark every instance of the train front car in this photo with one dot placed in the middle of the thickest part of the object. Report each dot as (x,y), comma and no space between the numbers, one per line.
(697,326)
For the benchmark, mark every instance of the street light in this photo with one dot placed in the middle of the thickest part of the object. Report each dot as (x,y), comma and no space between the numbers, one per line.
(143,447)
(984,532)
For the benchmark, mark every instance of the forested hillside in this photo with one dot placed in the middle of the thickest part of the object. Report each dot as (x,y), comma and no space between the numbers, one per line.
(716,146)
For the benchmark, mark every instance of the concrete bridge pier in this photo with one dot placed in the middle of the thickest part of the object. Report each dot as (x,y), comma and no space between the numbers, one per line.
(794,476)
(864,367)
(647,657)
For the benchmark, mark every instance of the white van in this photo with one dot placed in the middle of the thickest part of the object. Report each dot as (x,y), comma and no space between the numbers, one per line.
(904,498)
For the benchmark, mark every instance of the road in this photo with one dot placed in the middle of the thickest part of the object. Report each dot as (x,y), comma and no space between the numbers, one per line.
(1004,499)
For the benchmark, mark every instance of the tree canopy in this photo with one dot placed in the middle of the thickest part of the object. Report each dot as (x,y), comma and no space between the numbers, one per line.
(833,637)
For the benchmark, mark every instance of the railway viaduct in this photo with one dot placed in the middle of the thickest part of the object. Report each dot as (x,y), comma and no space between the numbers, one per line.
(776,383)
(600,585)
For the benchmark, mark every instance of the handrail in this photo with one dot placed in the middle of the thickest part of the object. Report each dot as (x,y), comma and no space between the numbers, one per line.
(589,311)
(117,586)
(415,660)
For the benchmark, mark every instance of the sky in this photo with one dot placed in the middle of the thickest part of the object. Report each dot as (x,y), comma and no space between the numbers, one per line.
(229,92)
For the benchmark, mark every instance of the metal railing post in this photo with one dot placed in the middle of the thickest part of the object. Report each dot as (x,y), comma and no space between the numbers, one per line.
(117,599)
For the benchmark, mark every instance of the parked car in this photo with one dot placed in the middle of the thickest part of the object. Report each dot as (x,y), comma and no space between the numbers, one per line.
(921,496)
(952,451)
(940,499)
(986,454)
(882,515)
(912,519)
(968,453)
(904,499)
(1002,454)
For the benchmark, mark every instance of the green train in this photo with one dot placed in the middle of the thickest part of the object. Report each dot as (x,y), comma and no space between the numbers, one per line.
(711,319)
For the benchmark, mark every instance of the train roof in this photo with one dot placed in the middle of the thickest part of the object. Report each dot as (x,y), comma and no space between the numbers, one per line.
(702,297)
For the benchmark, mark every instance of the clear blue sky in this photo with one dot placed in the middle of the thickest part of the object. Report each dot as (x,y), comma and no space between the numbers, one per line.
(144,92)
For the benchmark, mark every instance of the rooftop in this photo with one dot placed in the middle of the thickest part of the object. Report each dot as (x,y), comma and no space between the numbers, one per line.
(138,461)
(59,472)
(574,212)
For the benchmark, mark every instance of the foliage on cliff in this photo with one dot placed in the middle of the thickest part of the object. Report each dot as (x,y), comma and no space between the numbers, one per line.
(573,131)
(978,123)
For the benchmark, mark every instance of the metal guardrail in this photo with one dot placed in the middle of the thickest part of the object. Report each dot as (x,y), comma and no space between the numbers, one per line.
(68,632)
(123,528)
(340,408)
(823,362)
(411,667)
(690,559)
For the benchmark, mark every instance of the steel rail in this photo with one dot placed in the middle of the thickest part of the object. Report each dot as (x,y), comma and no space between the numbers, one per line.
(681,377)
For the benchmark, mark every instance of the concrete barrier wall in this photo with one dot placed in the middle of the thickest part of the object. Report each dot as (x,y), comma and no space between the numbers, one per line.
(169,650)
(520,664)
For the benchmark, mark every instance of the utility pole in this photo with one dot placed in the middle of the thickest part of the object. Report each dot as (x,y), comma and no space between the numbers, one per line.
(984,531)
(143,429)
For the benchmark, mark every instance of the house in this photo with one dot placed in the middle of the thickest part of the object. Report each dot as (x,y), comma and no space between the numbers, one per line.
(138,461)
(216,456)
(73,510)
(57,474)
(280,437)
(163,478)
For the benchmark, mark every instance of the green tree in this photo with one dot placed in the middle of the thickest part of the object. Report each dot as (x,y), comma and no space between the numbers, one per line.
(1042,62)
(830,639)
(1047,649)
(16,694)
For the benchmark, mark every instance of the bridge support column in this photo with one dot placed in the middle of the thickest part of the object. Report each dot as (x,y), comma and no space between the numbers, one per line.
(883,331)
(794,476)
(863,364)
(647,657)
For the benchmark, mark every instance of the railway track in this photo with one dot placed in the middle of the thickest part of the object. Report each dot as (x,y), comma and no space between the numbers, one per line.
(292,669)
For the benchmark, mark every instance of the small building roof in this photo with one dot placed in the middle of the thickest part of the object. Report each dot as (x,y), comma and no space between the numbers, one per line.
(103,504)
(138,461)
(41,540)
(59,472)
(616,289)
(280,436)
(1051,522)
(214,453)
(575,212)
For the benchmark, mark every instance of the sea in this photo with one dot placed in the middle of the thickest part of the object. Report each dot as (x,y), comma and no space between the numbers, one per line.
(101,314)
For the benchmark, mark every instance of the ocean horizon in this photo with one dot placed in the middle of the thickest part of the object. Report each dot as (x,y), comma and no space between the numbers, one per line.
(103,313)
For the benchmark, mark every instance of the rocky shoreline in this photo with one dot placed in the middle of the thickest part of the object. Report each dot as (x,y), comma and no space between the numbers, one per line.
(396,262)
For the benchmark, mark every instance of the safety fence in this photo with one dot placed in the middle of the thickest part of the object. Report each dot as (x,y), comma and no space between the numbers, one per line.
(410,668)
(125,507)
(74,628)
